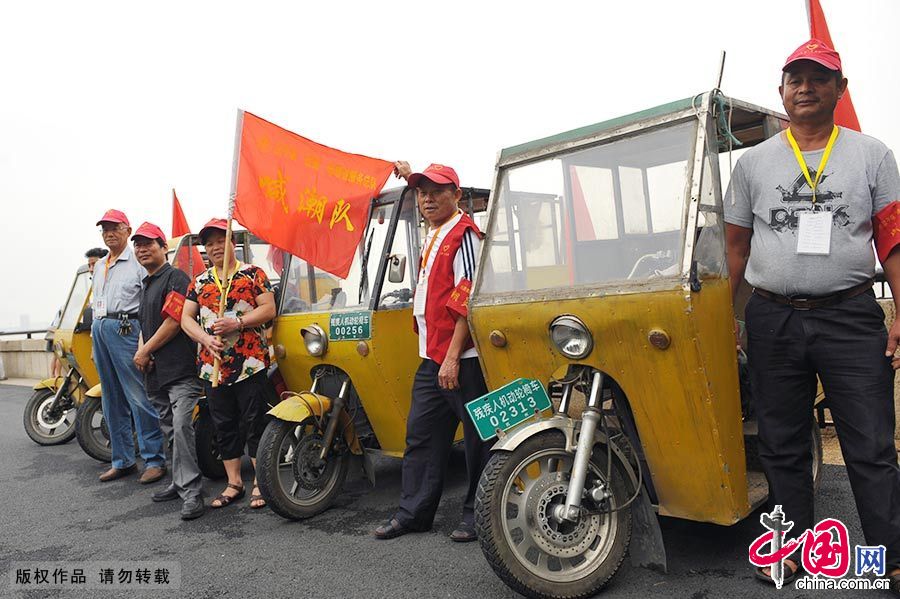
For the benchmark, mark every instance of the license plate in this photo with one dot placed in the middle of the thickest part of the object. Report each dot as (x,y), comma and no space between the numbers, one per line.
(507,407)
(350,326)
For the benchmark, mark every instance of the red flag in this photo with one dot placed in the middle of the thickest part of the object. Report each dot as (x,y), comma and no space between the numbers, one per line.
(303,197)
(190,262)
(844,114)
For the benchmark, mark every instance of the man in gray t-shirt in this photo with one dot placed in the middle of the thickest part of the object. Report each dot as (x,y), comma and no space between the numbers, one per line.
(799,214)
(769,192)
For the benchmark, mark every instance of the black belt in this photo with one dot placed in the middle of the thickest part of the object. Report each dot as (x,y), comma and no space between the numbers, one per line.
(806,302)
(119,315)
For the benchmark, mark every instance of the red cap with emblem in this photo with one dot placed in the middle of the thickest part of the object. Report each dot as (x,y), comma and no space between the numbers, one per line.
(114,216)
(215,224)
(437,173)
(816,51)
(150,231)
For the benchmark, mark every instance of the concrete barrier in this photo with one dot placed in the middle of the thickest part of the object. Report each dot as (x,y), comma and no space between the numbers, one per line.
(25,358)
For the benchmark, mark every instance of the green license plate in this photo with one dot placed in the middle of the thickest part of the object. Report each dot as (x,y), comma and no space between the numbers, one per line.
(350,326)
(508,406)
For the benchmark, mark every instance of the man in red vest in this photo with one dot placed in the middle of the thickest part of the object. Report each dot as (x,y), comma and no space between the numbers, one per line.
(449,375)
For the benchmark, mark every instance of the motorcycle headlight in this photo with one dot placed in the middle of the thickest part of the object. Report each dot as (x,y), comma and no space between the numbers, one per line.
(315,339)
(571,336)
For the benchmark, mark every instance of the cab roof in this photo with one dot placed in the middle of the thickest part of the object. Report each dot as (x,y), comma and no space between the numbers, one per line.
(746,124)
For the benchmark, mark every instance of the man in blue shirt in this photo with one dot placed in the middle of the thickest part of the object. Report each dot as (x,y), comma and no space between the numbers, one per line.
(116,290)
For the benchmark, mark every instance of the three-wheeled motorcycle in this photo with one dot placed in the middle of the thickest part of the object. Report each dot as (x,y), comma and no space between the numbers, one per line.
(603,280)
(50,413)
(350,345)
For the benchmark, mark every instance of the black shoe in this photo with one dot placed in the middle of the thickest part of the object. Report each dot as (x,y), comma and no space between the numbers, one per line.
(464,533)
(391,530)
(193,507)
(167,494)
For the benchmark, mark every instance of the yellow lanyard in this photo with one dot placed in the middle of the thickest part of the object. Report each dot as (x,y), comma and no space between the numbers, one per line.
(424,263)
(226,290)
(800,160)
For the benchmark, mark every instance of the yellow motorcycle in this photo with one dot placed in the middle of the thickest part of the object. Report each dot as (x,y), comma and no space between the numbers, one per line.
(50,413)
(603,319)
(350,347)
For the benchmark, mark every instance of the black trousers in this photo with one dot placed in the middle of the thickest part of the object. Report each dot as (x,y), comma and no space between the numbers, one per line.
(239,414)
(434,416)
(844,345)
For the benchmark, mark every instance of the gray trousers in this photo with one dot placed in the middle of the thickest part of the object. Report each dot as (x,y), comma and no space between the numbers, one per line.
(175,403)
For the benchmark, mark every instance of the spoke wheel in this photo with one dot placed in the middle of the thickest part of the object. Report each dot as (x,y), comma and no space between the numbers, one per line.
(45,425)
(531,550)
(291,478)
(209,458)
(91,431)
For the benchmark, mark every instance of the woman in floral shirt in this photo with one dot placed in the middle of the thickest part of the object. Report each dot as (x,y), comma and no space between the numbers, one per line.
(238,404)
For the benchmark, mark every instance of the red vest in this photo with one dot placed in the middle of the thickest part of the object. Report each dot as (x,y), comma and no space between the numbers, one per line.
(446,301)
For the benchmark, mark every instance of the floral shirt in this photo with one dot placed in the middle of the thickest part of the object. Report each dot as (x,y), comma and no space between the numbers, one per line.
(246,352)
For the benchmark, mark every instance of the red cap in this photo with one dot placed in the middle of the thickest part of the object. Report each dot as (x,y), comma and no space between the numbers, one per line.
(114,216)
(816,51)
(215,224)
(436,173)
(150,231)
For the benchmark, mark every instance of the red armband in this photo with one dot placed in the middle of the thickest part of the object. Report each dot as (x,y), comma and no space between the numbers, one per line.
(886,230)
(173,306)
(459,298)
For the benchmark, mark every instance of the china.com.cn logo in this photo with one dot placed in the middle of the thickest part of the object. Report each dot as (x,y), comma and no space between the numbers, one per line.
(825,549)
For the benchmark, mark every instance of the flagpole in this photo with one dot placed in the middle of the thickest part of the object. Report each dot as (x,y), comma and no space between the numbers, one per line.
(223,299)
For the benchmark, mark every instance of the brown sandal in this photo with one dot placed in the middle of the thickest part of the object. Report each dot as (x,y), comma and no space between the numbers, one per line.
(225,500)
(254,497)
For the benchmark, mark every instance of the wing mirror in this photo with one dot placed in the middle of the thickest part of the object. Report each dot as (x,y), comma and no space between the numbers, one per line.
(396,268)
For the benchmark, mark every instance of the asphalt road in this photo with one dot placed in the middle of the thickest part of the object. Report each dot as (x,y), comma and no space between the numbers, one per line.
(54,509)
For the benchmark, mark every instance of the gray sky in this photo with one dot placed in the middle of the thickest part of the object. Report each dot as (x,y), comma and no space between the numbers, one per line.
(111,104)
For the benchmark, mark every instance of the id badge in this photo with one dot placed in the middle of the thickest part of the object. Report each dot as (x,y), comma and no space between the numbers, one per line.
(814,233)
(99,308)
(231,338)
(419,299)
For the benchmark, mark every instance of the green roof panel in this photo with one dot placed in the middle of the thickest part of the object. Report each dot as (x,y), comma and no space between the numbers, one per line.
(589,130)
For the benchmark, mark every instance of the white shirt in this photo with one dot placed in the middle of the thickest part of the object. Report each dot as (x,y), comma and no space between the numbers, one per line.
(463,268)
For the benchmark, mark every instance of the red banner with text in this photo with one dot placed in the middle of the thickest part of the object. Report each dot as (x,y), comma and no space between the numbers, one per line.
(303,197)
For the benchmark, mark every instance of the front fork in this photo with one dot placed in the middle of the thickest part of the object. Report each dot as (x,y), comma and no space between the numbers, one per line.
(63,389)
(590,420)
(333,416)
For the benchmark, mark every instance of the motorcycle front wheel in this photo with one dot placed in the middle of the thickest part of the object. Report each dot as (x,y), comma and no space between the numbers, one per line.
(291,478)
(531,551)
(209,458)
(91,431)
(46,425)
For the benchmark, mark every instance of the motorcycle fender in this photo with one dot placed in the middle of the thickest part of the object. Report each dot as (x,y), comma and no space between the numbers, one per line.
(569,428)
(298,407)
(94,391)
(52,383)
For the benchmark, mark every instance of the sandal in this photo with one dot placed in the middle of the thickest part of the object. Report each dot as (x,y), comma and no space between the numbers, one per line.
(894,584)
(225,500)
(789,575)
(257,501)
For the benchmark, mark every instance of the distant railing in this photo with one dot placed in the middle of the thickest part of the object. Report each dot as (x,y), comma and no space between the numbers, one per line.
(882,290)
(24,331)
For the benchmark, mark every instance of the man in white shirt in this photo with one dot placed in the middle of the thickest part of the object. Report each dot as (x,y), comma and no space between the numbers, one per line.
(450,375)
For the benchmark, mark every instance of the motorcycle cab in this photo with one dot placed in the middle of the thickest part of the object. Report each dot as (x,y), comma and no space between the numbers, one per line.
(51,412)
(348,351)
(603,281)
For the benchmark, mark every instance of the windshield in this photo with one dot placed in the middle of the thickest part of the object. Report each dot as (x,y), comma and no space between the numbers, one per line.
(612,212)
(309,289)
(72,312)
